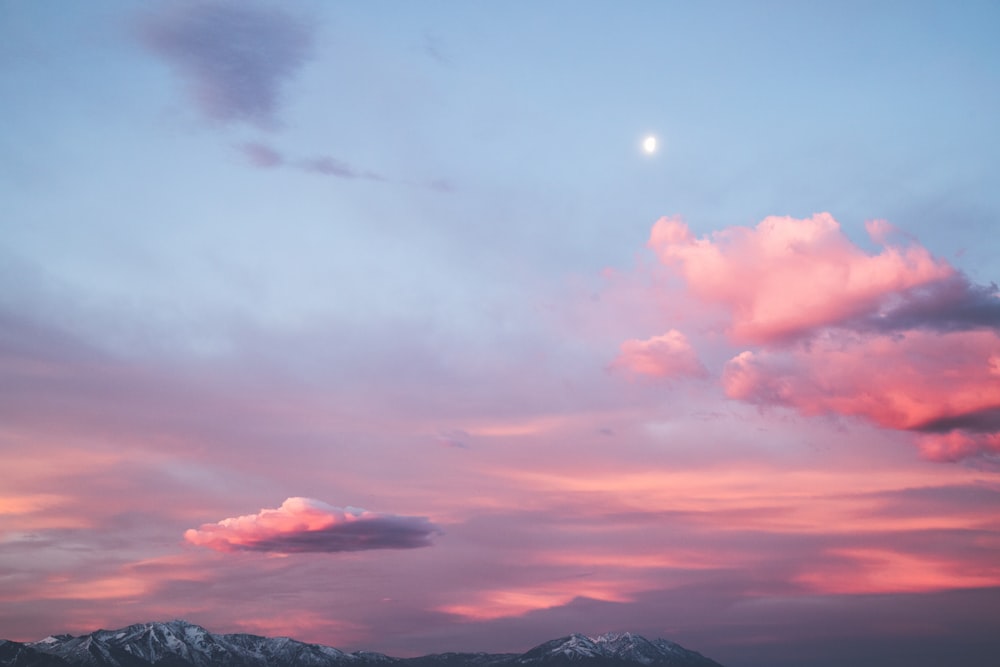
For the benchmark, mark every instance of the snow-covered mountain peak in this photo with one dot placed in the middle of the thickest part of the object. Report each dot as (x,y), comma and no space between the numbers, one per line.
(53,639)
(573,647)
(615,647)
(628,646)
(182,644)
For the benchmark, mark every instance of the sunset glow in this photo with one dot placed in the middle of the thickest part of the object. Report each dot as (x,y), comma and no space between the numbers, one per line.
(443,327)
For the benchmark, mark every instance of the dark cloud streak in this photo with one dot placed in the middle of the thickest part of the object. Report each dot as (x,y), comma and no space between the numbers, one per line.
(980,421)
(381,533)
(303,525)
(953,304)
(265,157)
(330,167)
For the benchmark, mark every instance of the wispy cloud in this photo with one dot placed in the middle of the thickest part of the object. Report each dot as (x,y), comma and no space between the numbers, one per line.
(305,524)
(234,56)
(267,157)
(329,166)
(260,155)
(456,438)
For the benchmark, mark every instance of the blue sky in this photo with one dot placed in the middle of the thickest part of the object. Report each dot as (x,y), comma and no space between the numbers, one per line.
(531,116)
(388,255)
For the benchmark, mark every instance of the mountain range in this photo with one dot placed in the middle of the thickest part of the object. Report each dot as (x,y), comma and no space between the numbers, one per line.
(182,644)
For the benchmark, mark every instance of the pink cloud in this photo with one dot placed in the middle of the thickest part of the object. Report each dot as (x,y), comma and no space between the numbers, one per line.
(940,383)
(785,278)
(957,445)
(329,166)
(669,355)
(896,337)
(234,55)
(866,570)
(305,524)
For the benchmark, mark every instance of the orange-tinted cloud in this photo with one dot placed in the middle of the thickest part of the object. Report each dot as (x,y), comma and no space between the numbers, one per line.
(305,524)
(669,355)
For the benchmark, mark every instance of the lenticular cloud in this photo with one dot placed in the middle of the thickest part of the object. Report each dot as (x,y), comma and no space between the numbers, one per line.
(308,525)
(896,337)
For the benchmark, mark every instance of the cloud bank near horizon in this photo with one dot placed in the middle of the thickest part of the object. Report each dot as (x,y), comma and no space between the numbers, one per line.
(307,525)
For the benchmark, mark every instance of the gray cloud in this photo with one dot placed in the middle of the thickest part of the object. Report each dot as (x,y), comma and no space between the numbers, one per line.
(384,532)
(953,304)
(234,55)
(986,420)
(265,157)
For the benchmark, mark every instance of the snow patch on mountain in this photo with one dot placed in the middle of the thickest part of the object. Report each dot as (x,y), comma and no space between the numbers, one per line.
(182,644)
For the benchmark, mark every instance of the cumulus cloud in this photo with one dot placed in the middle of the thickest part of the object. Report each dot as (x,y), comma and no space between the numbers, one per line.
(896,337)
(943,385)
(787,278)
(235,56)
(669,355)
(308,525)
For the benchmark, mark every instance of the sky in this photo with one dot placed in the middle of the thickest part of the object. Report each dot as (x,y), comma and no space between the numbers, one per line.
(372,324)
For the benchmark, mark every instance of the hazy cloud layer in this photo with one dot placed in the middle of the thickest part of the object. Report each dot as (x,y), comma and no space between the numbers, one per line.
(329,166)
(235,56)
(305,524)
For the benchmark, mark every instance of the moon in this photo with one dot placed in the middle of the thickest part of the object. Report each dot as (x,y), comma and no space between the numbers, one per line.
(649,144)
